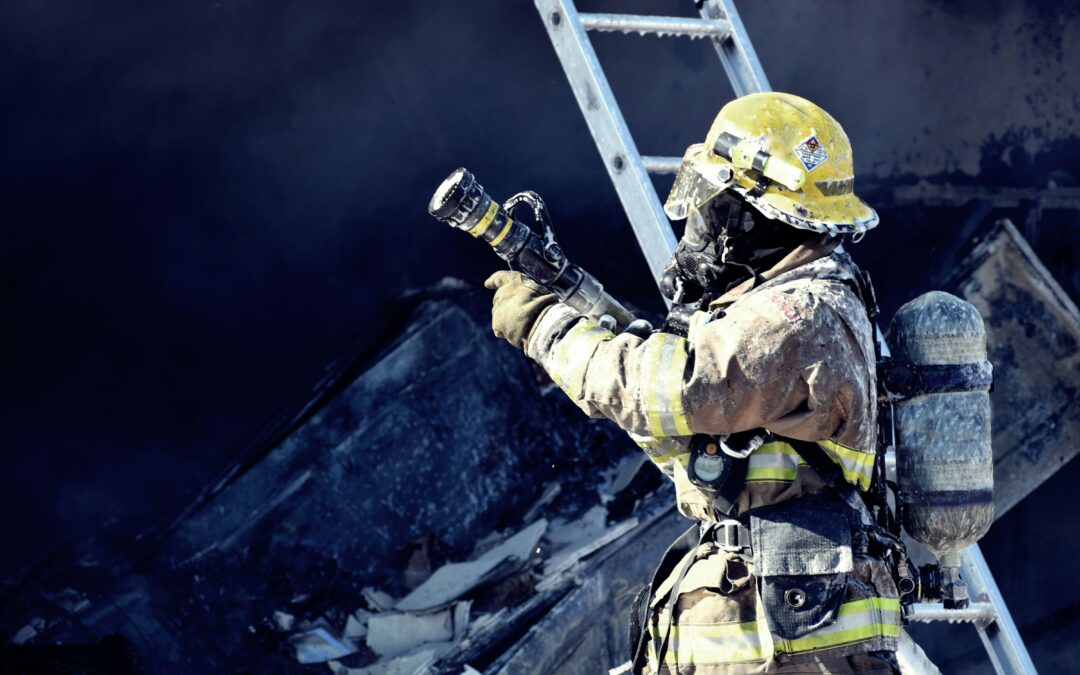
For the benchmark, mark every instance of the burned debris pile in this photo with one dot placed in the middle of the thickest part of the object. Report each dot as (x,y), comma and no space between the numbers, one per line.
(428,504)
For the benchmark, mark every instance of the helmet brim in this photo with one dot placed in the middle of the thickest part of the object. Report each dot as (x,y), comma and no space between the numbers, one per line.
(842,214)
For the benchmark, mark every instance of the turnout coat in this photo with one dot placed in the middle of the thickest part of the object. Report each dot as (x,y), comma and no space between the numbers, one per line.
(791,352)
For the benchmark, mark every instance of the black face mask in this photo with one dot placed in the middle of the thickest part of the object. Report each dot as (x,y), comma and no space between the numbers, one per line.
(726,242)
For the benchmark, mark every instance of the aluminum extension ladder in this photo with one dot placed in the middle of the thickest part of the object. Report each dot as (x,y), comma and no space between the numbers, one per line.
(629,172)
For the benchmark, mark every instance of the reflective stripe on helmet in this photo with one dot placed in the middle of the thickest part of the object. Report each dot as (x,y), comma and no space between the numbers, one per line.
(663,386)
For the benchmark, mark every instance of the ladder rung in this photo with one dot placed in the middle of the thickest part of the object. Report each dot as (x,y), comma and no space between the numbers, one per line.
(976,612)
(655,25)
(661,164)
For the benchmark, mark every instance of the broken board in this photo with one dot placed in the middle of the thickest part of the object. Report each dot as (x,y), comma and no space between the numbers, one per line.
(1033,330)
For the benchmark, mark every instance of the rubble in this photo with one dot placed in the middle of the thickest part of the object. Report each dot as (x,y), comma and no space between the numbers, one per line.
(415,663)
(394,633)
(437,433)
(453,580)
(356,626)
(29,631)
(283,620)
(319,644)
(378,600)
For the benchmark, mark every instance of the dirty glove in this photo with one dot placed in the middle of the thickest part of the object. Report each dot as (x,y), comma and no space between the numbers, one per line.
(517,306)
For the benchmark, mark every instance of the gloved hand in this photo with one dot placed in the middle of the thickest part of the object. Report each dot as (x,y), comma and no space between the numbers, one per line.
(517,306)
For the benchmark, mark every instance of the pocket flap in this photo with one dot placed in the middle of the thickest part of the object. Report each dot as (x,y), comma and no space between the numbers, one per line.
(806,536)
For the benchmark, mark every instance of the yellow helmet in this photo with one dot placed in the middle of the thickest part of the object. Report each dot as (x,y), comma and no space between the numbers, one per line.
(786,156)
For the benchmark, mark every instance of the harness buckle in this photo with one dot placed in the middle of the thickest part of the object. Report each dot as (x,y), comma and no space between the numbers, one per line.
(732,536)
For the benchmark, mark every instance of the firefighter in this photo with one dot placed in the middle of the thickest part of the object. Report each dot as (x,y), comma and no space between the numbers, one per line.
(763,415)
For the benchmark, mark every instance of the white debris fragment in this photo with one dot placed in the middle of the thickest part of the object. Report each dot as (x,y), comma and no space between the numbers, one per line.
(318,644)
(461,620)
(550,492)
(394,633)
(625,472)
(378,600)
(356,626)
(283,620)
(453,580)
(469,670)
(482,621)
(71,600)
(572,553)
(29,631)
(584,529)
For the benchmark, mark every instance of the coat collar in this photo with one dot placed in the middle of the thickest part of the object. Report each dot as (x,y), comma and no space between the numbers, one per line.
(789,267)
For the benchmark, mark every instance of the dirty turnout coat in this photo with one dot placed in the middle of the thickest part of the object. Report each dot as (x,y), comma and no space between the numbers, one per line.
(793,355)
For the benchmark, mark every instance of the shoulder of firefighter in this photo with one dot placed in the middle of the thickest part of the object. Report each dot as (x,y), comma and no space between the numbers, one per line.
(794,356)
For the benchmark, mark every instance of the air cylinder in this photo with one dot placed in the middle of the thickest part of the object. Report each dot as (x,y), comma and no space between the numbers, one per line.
(944,461)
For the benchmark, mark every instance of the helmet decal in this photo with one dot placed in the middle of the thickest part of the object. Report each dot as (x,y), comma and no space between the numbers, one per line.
(810,153)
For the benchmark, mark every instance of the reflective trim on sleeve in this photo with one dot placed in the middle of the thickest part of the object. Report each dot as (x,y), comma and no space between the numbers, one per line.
(571,355)
(856,465)
(775,461)
(659,450)
(663,386)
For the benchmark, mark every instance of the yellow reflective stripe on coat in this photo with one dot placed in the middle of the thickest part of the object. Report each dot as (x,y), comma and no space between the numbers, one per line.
(856,621)
(662,385)
(775,461)
(572,353)
(856,465)
(710,644)
(716,644)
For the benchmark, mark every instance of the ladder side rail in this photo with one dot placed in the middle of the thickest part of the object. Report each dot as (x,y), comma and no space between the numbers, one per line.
(736,53)
(1002,640)
(609,131)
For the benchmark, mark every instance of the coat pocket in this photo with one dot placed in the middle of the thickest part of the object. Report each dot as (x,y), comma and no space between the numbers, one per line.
(802,558)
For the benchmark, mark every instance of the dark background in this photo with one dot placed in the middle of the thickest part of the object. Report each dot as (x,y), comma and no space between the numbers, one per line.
(205,203)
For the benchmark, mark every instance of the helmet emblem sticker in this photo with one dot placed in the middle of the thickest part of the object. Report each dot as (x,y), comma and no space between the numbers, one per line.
(810,153)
